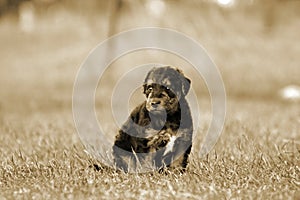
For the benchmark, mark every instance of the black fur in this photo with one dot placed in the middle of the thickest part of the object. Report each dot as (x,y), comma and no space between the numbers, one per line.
(165,115)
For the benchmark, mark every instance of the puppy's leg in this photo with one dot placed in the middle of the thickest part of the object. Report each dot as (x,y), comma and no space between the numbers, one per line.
(178,157)
(157,143)
(122,152)
(120,159)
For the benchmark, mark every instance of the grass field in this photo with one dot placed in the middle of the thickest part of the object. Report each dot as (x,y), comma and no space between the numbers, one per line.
(256,157)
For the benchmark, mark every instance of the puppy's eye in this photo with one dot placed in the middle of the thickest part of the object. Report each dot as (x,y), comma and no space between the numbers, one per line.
(148,90)
(167,88)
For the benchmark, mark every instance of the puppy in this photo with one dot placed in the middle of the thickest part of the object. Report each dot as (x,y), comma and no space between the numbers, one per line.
(158,133)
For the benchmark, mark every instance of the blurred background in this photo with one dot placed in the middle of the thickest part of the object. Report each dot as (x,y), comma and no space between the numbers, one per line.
(254,43)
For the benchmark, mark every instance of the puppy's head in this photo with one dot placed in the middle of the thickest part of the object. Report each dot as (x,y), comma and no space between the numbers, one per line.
(164,87)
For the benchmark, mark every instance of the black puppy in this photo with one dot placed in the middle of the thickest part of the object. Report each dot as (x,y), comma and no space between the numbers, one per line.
(159,131)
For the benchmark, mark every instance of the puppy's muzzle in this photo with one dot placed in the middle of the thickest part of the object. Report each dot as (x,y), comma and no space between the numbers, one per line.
(155,103)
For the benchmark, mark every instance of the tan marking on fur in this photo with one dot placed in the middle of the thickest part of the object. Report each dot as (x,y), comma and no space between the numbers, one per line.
(166,82)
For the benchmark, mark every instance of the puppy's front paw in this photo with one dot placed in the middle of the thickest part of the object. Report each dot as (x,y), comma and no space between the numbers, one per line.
(160,140)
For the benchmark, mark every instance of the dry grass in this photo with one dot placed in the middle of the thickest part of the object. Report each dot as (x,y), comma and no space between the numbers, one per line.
(257,156)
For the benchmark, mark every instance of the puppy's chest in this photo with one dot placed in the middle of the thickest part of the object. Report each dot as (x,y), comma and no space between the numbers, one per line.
(150,132)
(155,139)
(150,128)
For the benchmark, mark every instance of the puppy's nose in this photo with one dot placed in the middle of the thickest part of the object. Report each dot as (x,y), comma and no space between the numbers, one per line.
(154,104)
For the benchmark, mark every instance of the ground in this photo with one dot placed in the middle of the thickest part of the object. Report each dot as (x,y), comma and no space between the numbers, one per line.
(42,157)
(257,156)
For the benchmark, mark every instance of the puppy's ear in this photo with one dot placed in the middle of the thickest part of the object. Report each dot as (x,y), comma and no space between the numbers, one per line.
(186,84)
(144,88)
